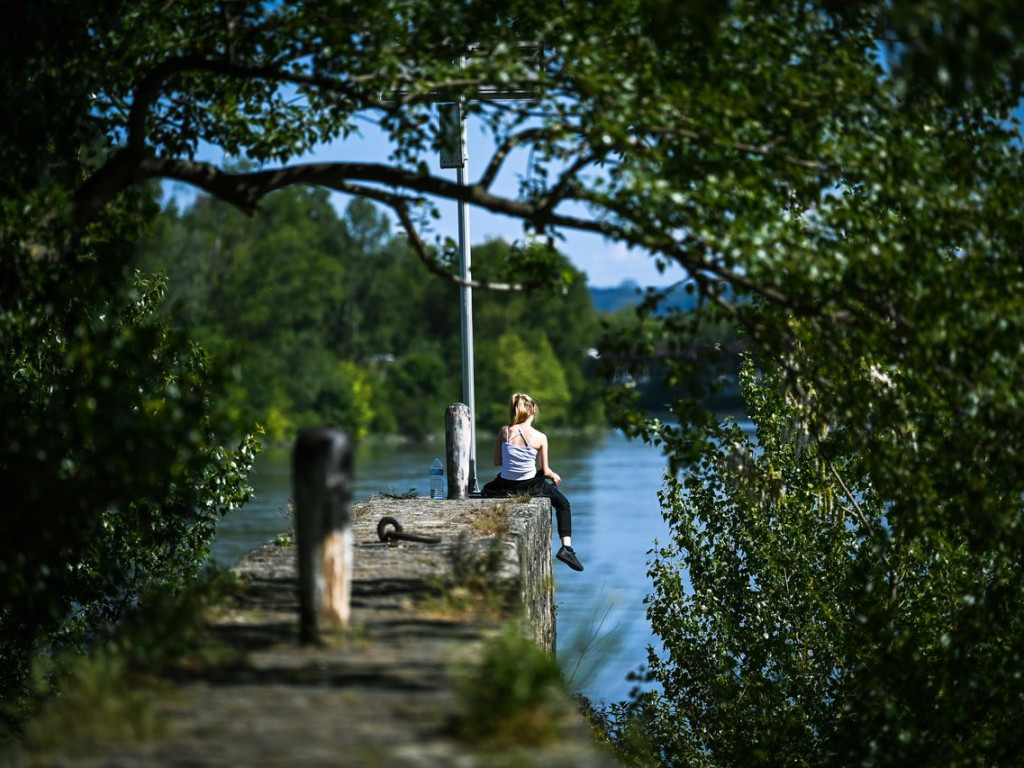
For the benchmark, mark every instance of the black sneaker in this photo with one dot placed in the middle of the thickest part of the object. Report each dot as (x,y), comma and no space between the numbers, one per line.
(568,556)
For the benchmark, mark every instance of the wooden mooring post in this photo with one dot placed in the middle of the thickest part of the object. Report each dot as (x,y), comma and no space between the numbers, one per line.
(322,477)
(458,434)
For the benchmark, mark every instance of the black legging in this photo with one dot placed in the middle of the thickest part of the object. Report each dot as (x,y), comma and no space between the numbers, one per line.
(535,486)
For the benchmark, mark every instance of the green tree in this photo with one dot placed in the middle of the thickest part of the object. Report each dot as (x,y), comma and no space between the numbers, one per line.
(804,624)
(523,364)
(384,309)
(112,462)
(299,298)
(420,386)
(112,453)
(839,178)
(309,307)
(553,321)
(557,329)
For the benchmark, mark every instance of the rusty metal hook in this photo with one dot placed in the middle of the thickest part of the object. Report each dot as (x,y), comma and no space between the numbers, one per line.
(392,537)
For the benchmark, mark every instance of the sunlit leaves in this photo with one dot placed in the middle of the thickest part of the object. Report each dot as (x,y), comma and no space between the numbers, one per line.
(804,622)
(848,170)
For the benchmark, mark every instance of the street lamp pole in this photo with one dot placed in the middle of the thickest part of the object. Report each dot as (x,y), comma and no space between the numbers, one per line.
(455,154)
(466,303)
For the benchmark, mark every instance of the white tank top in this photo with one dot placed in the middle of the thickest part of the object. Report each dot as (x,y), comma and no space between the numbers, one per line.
(518,462)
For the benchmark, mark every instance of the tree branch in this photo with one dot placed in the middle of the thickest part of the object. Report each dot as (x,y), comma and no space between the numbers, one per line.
(502,152)
(400,205)
(125,167)
(245,190)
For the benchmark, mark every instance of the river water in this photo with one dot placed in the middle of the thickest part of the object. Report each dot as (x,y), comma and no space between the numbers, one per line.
(612,483)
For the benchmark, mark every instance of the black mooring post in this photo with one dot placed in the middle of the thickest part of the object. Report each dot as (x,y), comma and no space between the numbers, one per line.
(458,435)
(322,477)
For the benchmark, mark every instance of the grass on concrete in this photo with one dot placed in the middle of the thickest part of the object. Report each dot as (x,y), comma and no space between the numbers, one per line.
(473,586)
(514,696)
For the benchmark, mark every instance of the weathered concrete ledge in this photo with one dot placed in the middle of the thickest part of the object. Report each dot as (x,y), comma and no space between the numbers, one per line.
(385,694)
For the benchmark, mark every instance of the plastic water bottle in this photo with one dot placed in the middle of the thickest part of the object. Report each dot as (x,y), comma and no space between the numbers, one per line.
(437,480)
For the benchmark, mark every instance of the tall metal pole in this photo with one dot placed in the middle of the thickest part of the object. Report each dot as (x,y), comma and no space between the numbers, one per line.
(466,302)
(455,154)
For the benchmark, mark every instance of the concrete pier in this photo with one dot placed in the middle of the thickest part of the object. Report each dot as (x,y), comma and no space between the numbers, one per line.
(383,692)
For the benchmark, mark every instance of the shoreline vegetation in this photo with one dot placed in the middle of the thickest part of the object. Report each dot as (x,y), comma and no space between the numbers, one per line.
(349,331)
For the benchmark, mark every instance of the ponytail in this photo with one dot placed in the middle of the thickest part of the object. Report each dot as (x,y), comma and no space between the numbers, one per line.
(521,407)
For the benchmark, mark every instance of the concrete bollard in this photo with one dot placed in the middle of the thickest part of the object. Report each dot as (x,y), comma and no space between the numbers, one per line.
(457,437)
(322,477)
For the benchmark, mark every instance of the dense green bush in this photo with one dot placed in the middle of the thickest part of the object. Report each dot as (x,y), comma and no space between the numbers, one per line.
(112,462)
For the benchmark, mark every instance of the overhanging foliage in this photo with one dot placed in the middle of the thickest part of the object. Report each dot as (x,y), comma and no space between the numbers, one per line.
(841,179)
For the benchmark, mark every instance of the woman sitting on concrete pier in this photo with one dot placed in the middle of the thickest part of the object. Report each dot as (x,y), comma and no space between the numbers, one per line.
(519,450)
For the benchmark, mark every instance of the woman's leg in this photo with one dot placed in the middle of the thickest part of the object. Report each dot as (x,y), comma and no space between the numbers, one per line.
(537,487)
(499,487)
(563,511)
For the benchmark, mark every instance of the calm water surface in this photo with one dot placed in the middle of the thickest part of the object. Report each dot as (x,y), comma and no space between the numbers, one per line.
(612,483)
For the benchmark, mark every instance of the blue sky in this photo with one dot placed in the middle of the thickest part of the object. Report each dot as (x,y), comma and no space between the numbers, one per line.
(605,263)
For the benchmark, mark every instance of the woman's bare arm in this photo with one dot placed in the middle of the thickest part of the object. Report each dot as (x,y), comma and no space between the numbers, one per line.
(542,453)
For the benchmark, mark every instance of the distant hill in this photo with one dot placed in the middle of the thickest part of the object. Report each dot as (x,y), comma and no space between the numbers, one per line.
(630,294)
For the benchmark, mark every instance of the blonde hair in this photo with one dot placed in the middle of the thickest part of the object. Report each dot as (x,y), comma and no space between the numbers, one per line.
(521,407)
